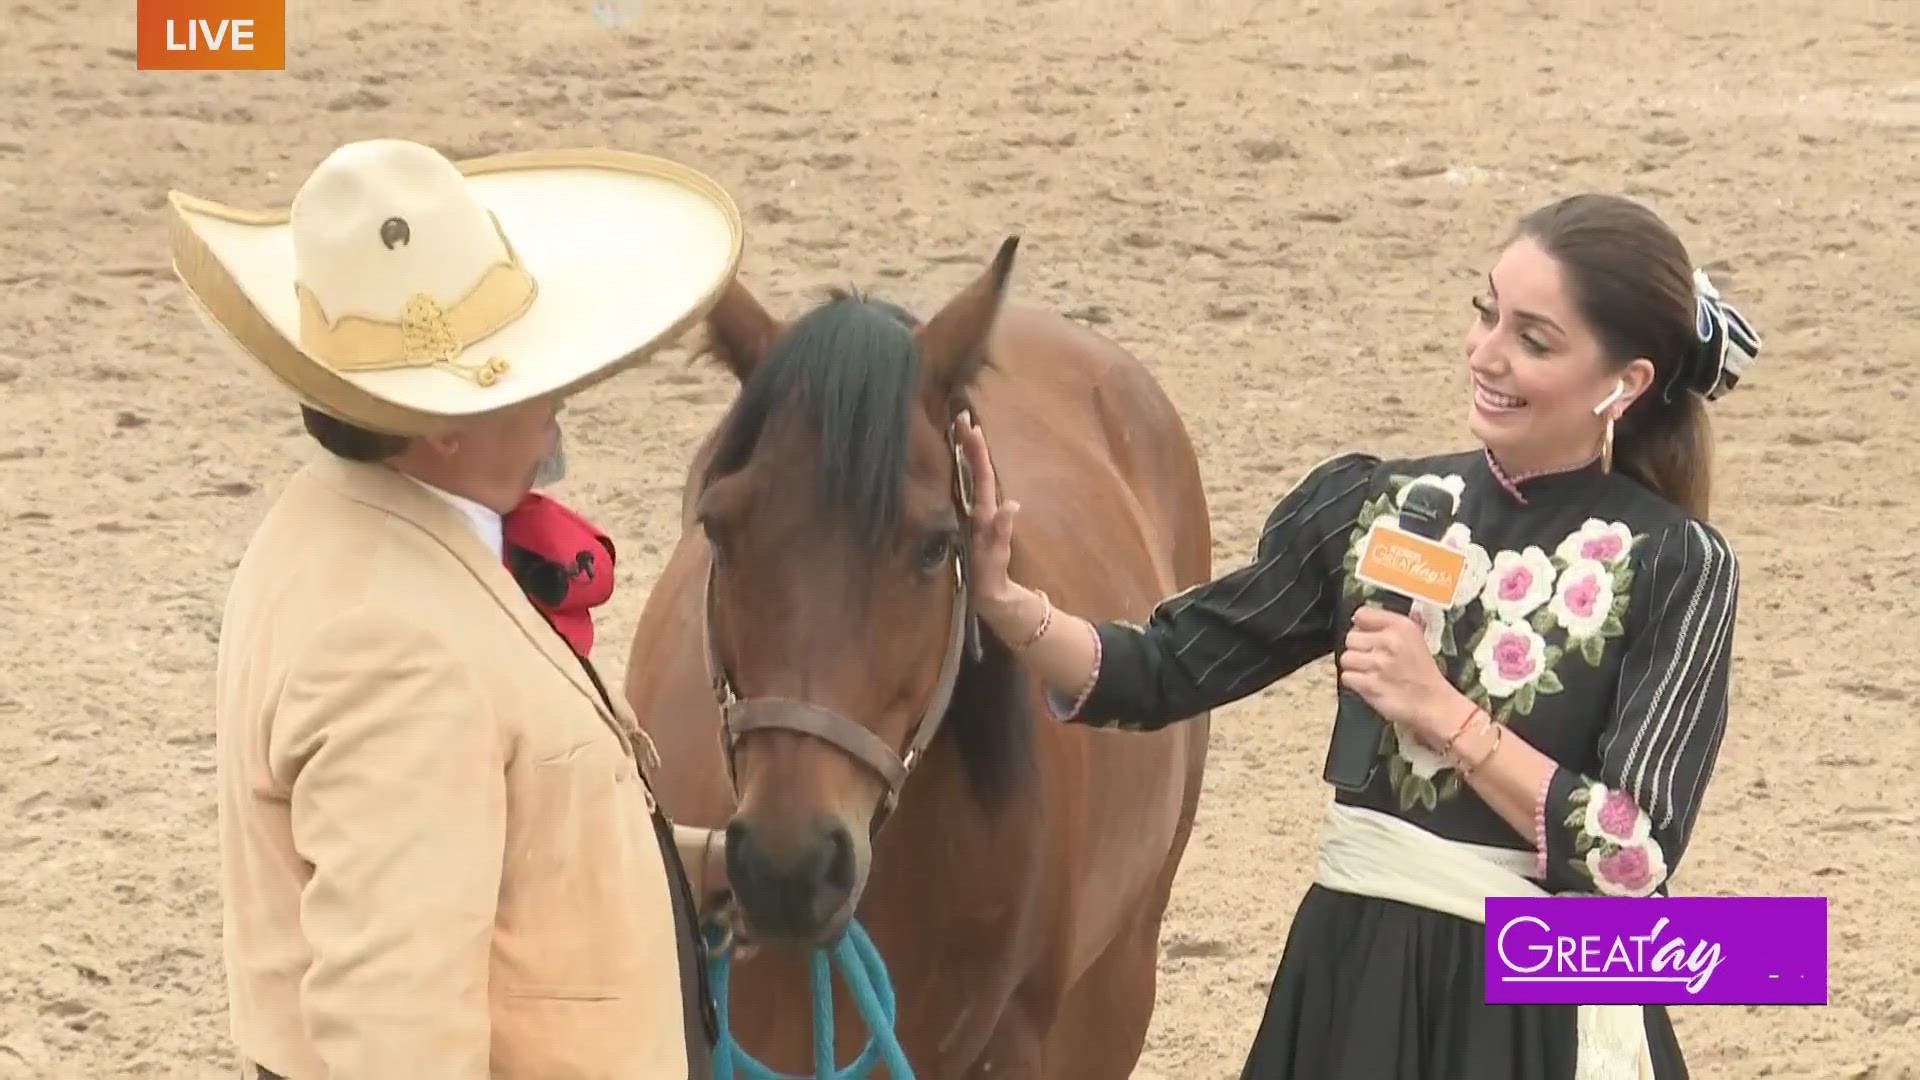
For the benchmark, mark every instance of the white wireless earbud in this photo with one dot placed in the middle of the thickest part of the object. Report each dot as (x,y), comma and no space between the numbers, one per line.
(1619,390)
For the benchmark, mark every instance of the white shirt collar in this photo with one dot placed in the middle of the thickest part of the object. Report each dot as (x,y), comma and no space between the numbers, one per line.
(484,519)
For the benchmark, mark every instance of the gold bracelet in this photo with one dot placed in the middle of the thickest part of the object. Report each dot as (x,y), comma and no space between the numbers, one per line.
(1473,710)
(1046,621)
(1498,733)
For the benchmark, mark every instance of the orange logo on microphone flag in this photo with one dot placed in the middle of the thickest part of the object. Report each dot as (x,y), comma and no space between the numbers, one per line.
(1398,561)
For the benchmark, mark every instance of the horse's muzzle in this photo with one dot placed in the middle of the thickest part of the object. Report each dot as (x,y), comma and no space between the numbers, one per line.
(795,892)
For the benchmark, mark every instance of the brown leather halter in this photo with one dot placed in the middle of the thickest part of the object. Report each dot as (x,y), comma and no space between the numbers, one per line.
(742,716)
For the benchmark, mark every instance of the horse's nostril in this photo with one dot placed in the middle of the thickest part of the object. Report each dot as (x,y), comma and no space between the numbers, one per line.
(839,869)
(791,882)
(739,860)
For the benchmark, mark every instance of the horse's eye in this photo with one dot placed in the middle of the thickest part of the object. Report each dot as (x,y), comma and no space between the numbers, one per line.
(934,551)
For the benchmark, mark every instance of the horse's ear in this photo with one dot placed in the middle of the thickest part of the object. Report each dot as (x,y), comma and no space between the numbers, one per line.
(953,342)
(739,331)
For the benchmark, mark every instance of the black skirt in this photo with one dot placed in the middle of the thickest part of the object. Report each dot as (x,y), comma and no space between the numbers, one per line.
(1372,989)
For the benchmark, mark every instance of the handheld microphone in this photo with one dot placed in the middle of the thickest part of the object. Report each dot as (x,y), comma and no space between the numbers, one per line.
(1403,565)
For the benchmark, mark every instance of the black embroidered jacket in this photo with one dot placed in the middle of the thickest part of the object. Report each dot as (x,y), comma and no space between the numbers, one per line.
(1595,620)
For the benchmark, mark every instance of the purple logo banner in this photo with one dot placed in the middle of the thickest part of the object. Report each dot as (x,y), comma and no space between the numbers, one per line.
(1681,950)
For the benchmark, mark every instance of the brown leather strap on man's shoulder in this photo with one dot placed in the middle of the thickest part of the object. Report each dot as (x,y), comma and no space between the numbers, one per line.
(702,1020)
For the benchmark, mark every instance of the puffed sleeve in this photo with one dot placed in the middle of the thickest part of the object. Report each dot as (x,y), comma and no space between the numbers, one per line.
(1230,637)
(398,802)
(1624,831)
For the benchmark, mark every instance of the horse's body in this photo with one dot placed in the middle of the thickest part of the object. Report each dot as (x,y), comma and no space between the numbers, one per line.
(1023,942)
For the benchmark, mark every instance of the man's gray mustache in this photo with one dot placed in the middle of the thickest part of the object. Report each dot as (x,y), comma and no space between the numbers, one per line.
(552,468)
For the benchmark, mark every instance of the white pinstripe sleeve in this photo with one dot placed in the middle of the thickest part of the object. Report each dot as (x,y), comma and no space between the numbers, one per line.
(1624,831)
(1230,637)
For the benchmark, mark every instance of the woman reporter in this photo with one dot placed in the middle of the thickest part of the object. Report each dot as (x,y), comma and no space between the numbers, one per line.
(1550,731)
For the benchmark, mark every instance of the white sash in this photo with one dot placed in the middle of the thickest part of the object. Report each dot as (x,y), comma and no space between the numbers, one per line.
(1375,854)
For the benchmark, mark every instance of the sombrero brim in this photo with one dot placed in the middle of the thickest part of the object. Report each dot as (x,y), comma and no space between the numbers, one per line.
(628,252)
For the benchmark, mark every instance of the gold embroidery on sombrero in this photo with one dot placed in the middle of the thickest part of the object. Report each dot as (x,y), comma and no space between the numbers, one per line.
(426,335)
(427,338)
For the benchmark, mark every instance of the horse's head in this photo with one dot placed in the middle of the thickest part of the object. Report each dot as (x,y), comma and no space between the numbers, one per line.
(838,625)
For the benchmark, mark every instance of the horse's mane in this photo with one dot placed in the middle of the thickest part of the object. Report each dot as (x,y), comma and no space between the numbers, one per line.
(852,366)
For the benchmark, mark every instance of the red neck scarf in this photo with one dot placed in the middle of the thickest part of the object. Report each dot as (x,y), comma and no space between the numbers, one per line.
(562,562)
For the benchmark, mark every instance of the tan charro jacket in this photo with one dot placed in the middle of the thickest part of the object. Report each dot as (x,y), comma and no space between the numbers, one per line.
(438,856)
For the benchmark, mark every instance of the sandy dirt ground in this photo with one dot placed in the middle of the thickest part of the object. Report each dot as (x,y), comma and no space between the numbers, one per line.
(1283,207)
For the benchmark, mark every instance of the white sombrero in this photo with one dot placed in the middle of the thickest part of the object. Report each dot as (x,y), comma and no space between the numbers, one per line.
(404,292)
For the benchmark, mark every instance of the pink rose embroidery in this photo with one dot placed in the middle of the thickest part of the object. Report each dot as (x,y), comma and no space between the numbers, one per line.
(1613,816)
(1604,542)
(1618,813)
(1612,841)
(1580,598)
(1510,656)
(1583,599)
(1602,548)
(1517,583)
(1635,870)
(1627,868)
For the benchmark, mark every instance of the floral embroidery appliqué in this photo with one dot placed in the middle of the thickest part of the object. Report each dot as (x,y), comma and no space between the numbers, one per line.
(1613,846)
(1538,608)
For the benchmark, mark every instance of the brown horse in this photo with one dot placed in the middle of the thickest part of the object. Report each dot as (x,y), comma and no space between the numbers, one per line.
(1017,888)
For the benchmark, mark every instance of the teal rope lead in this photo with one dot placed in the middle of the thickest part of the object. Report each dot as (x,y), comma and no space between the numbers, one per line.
(865,974)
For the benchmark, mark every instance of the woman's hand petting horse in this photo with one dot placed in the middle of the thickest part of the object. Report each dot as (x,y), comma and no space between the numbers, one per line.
(992,547)
(1060,647)
(1387,663)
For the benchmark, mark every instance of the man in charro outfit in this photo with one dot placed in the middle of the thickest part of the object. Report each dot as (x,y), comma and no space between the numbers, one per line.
(441,855)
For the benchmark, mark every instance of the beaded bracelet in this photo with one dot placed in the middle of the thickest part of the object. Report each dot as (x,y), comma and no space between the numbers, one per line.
(1093,679)
(1540,827)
